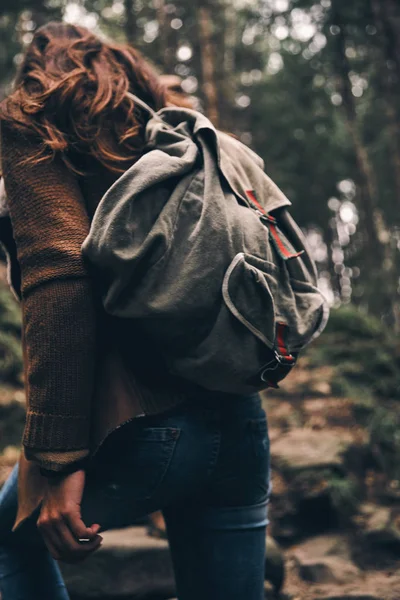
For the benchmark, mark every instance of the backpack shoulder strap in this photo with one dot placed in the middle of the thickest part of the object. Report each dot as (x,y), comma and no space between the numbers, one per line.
(155,115)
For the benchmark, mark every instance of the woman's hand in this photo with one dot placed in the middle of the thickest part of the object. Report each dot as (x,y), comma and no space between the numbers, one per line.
(60,521)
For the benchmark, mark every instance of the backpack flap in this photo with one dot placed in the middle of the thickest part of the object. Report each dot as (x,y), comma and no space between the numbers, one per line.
(243,169)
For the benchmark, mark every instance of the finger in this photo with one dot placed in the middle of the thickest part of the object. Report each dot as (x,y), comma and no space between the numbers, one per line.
(95,528)
(51,547)
(50,538)
(78,527)
(64,547)
(69,544)
(76,557)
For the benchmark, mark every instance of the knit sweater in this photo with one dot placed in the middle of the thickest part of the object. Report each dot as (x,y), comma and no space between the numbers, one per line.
(63,323)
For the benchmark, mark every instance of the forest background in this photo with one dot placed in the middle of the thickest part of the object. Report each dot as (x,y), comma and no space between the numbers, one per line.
(312,85)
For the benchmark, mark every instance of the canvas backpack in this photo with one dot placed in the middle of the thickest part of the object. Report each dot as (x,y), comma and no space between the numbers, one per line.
(195,244)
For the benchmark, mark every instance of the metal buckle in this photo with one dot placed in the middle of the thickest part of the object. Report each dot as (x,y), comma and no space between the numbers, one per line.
(285,360)
(268,218)
(279,364)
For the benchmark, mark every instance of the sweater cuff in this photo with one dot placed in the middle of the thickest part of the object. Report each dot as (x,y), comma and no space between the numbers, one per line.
(54,464)
(44,431)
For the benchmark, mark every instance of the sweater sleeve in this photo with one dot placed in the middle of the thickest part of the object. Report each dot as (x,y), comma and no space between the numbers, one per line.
(50,222)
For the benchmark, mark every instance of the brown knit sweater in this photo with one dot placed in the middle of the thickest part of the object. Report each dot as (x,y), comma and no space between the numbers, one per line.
(51,209)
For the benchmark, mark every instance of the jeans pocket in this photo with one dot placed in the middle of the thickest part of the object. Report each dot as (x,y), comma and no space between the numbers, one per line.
(135,467)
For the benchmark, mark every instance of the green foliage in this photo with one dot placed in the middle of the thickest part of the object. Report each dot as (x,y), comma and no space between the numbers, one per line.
(10,314)
(384,428)
(344,494)
(10,344)
(342,489)
(10,359)
(365,355)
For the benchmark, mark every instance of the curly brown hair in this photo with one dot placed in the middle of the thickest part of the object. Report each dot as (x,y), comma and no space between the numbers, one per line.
(71,92)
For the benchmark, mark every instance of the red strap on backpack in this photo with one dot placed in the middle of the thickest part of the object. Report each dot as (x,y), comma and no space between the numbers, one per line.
(280,343)
(280,243)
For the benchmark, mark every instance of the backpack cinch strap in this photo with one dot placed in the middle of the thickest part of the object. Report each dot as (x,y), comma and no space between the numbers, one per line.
(145,106)
(283,358)
(282,350)
(281,245)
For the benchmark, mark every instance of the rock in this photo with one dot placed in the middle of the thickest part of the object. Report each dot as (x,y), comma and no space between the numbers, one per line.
(328,569)
(306,464)
(282,410)
(129,564)
(367,508)
(274,565)
(382,527)
(304,381)
(325,559)
(392,490)
(322,388)
(303,448)
(332,410)
(301,504)
(322,546)
(379,519)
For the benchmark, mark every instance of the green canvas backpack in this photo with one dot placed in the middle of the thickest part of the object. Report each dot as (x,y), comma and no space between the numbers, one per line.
(194,242)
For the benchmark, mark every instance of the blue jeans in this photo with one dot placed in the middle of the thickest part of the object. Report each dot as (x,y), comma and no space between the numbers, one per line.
(205,464)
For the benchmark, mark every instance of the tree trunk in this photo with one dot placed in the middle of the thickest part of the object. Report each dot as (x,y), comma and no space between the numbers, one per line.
(391,16)
(42,14)
(167,54)
(207,52)
(390,86)
(227,72)
(130,22)
(379,260)
(373,220)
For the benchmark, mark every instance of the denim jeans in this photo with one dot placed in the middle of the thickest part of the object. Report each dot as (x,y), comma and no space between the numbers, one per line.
(205,464)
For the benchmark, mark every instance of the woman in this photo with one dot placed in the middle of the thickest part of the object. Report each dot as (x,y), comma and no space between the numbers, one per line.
(67,132)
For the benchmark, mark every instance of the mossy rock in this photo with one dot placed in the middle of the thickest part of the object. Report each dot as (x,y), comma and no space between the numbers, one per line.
(363,352)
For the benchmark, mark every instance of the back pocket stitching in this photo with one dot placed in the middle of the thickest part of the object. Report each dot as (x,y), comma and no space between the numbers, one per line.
(171,443)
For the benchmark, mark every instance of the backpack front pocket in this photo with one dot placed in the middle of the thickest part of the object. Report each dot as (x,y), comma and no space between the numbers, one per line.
(248,295)
(263,297)
(262,319)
